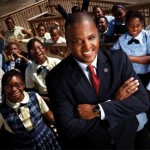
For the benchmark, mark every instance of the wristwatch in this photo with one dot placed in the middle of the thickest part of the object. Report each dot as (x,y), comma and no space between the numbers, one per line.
(96,110)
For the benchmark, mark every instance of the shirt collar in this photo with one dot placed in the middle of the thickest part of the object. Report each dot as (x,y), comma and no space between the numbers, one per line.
(138,37)
(16,105)
(84,66)
(104,31)
(44,64)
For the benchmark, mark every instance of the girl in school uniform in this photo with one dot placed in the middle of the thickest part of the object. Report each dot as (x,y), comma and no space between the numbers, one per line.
(118,23)
(136,43)
(22,114)
(41,64)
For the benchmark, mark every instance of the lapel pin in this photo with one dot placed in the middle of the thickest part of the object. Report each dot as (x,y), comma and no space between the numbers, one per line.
(105,70)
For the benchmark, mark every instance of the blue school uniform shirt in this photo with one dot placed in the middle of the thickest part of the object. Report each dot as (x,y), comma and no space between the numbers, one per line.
(109,24)
(117,27)
(141,49)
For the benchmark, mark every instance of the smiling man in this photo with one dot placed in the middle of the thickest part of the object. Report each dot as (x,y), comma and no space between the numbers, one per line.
(105,115)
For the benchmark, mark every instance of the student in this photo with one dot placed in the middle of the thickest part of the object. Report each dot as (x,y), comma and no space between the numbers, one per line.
(15,33)
(136,43)
(98,12)
(69,85)
(43,35)
(103,29)
(55,36)
(17,59)
(118,23)
(36,72)
(22,115)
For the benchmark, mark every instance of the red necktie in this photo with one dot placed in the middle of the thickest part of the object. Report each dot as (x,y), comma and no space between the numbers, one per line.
(94,79)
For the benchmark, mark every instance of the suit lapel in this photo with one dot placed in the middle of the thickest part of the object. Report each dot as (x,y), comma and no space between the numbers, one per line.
(82,82)
(103,72)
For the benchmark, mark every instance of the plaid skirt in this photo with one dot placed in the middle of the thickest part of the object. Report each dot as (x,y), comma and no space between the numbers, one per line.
(41,137)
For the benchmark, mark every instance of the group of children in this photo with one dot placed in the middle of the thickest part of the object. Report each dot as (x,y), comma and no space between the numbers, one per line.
(29,127)
(21,112)
(125,30)
(25,117)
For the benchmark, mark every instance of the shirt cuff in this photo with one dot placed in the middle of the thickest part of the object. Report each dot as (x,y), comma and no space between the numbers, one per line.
(148,86)
(102,111)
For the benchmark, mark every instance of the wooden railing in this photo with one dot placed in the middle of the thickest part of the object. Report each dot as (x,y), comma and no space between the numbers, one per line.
(23,16)
(48,22)
(103,4)
(20,16)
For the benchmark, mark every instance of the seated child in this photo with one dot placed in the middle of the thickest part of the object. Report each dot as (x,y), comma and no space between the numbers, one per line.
(42,34)
(55,36)
(15,33)
(22,114)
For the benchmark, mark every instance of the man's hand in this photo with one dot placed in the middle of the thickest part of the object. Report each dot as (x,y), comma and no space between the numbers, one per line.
(127,89)
(85,111)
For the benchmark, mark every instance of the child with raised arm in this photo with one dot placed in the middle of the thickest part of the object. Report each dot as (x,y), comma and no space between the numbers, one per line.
(16,58)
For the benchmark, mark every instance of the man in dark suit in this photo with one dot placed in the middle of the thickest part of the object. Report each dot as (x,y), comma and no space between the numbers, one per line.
(68,84)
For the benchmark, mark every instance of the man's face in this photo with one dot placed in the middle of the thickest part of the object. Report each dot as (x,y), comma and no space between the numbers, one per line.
(82,39)
(10,24)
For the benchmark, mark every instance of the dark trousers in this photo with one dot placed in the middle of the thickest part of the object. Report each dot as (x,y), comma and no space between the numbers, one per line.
(142,139)
(145,78)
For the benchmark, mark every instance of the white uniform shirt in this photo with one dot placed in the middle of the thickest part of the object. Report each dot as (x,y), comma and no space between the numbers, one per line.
(60,40)
(33,80)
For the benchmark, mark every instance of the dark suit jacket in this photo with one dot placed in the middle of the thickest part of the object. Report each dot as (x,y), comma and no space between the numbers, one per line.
(68,86)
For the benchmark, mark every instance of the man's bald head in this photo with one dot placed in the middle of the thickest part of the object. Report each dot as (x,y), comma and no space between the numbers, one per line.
(79,17)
